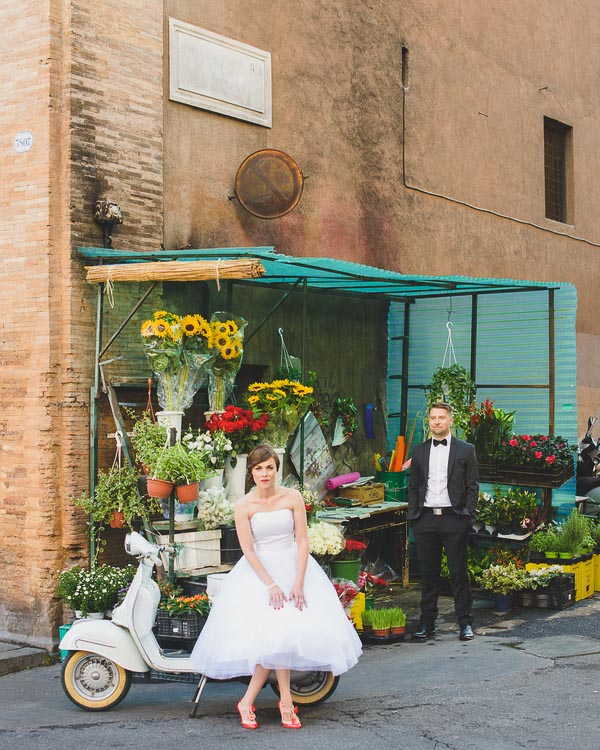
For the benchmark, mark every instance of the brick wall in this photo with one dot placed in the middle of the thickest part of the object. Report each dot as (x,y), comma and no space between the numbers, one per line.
(87,82)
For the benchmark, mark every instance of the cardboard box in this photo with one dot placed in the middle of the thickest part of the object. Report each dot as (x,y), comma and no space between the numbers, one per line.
(200,550)
(366,494)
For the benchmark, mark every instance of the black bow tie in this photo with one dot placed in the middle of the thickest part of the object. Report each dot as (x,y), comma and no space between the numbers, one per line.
(440,442)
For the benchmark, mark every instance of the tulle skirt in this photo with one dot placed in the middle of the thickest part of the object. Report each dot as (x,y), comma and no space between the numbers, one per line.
(243,631)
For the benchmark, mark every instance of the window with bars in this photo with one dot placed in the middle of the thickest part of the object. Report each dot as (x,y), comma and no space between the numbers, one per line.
(557,138)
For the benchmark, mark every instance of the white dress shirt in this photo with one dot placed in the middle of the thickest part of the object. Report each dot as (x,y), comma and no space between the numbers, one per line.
(437,481)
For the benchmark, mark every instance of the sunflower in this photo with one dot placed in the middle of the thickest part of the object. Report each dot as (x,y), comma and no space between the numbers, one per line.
(160,314)
(232,327)
(221,341)
(270,397)
(162,329)
(279,392)
(190,325)
(253,399)
(228,352)
(148,328)
(237,349)
(220,328)
(204,328)
(256,387)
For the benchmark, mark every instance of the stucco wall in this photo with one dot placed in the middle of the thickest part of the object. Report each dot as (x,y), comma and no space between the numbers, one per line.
(480,80)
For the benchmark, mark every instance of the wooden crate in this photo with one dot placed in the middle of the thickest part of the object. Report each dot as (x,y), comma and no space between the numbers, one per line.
(368,494)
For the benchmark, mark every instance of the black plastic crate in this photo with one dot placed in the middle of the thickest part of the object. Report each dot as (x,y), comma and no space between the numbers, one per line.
(179,626)
(231,551)
(546,598)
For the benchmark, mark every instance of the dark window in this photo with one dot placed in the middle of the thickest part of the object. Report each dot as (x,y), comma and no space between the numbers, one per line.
(556,151)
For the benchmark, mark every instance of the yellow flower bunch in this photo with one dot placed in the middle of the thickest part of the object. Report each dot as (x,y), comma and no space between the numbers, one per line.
(285,401)
(227,339)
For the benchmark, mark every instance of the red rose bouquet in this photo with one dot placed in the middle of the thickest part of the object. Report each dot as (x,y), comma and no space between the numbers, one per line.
(346,590)
(240,425)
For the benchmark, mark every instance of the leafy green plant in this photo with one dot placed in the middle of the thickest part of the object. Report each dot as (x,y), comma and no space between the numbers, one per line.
(574,535)
(539,540)
(453,385)
(179,465)
(488,427)
(148,438)
(117,490)
(503,579)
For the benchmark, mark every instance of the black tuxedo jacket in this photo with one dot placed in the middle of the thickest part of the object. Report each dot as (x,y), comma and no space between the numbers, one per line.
(463,478)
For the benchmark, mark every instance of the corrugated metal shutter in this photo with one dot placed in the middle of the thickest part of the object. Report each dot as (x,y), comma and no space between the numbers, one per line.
(512,348)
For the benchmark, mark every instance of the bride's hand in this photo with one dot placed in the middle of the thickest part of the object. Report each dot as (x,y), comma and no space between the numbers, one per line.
(276,597)
(298,597)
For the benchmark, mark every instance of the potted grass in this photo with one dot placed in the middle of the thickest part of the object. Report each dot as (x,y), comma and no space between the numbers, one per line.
(380,622)
(397,618)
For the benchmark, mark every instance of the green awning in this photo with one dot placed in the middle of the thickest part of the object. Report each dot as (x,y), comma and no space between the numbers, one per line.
(328,274)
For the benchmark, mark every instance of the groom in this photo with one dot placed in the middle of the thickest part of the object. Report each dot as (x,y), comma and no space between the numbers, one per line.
(442,498)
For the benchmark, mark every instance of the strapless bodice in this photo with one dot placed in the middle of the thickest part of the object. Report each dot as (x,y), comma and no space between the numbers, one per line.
(273,530)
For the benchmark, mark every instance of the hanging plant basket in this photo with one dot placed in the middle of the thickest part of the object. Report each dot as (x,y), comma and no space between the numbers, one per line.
(187,493)
(117,520)
(159,488)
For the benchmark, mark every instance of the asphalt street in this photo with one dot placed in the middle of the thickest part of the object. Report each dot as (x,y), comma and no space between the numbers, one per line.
(529,679)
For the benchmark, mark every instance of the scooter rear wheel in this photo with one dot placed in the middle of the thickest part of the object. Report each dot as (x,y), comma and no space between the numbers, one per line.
(311,688)
(94,682)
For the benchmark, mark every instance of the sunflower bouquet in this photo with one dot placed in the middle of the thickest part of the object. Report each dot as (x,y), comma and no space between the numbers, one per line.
(178,350)
(227,349)
(285,401)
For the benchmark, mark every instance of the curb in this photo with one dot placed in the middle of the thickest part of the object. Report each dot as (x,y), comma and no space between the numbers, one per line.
(14,658)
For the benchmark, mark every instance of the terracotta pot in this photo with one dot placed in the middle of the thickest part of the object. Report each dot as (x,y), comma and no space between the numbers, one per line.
(380,633)
(159,488)
(117,520)
(398,630)
(187,493)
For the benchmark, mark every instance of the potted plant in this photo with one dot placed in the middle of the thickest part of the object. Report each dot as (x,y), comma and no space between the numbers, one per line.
(397,620)
(503,581)
(379,619)
(536,460)
(538,544)
(346,564)
(95,590)
(148,438)
(488,428)
(116,501)
(453,385)
(179,467)
(178,615)
(214,447)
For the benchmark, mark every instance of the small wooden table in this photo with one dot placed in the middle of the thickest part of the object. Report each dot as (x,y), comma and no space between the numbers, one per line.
(389,515)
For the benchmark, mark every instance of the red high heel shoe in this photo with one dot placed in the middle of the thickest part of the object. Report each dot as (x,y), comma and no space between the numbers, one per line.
(289,720)
(251,723)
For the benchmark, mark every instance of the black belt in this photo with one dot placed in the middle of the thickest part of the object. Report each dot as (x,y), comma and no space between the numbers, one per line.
(445,511)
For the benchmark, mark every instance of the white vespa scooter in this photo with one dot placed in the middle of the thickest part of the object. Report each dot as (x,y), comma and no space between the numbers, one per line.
(104,654)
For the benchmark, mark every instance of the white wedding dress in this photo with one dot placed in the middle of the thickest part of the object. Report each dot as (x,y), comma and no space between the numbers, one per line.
(243,630)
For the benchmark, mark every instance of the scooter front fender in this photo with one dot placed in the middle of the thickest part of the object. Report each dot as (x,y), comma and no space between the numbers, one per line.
(106,639)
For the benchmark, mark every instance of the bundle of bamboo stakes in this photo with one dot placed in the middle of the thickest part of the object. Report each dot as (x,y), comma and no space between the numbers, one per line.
(177,270)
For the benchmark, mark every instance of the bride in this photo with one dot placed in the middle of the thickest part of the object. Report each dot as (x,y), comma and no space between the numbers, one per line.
(276,609)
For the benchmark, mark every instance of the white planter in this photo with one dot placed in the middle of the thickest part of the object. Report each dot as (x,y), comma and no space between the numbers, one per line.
(216,481)
(281,455)
(235,477)
(201,550)
(170,419)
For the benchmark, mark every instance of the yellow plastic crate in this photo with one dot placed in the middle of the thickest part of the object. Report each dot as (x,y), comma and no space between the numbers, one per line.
(584,575)
(596,561)
(356,609)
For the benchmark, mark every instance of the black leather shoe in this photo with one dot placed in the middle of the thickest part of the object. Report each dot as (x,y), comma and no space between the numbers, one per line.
(466,633)
(423,633)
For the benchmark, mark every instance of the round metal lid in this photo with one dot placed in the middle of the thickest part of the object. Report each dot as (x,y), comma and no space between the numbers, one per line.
(269,183)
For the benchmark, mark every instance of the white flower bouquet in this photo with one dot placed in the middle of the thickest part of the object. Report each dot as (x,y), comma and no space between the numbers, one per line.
(213,446)
(325,539)
(214,509)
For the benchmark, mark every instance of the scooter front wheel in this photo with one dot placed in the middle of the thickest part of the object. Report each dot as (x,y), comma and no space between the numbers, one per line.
(94,682)
(311,688)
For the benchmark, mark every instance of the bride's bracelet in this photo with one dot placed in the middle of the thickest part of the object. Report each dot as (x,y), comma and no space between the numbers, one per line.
(272,586)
